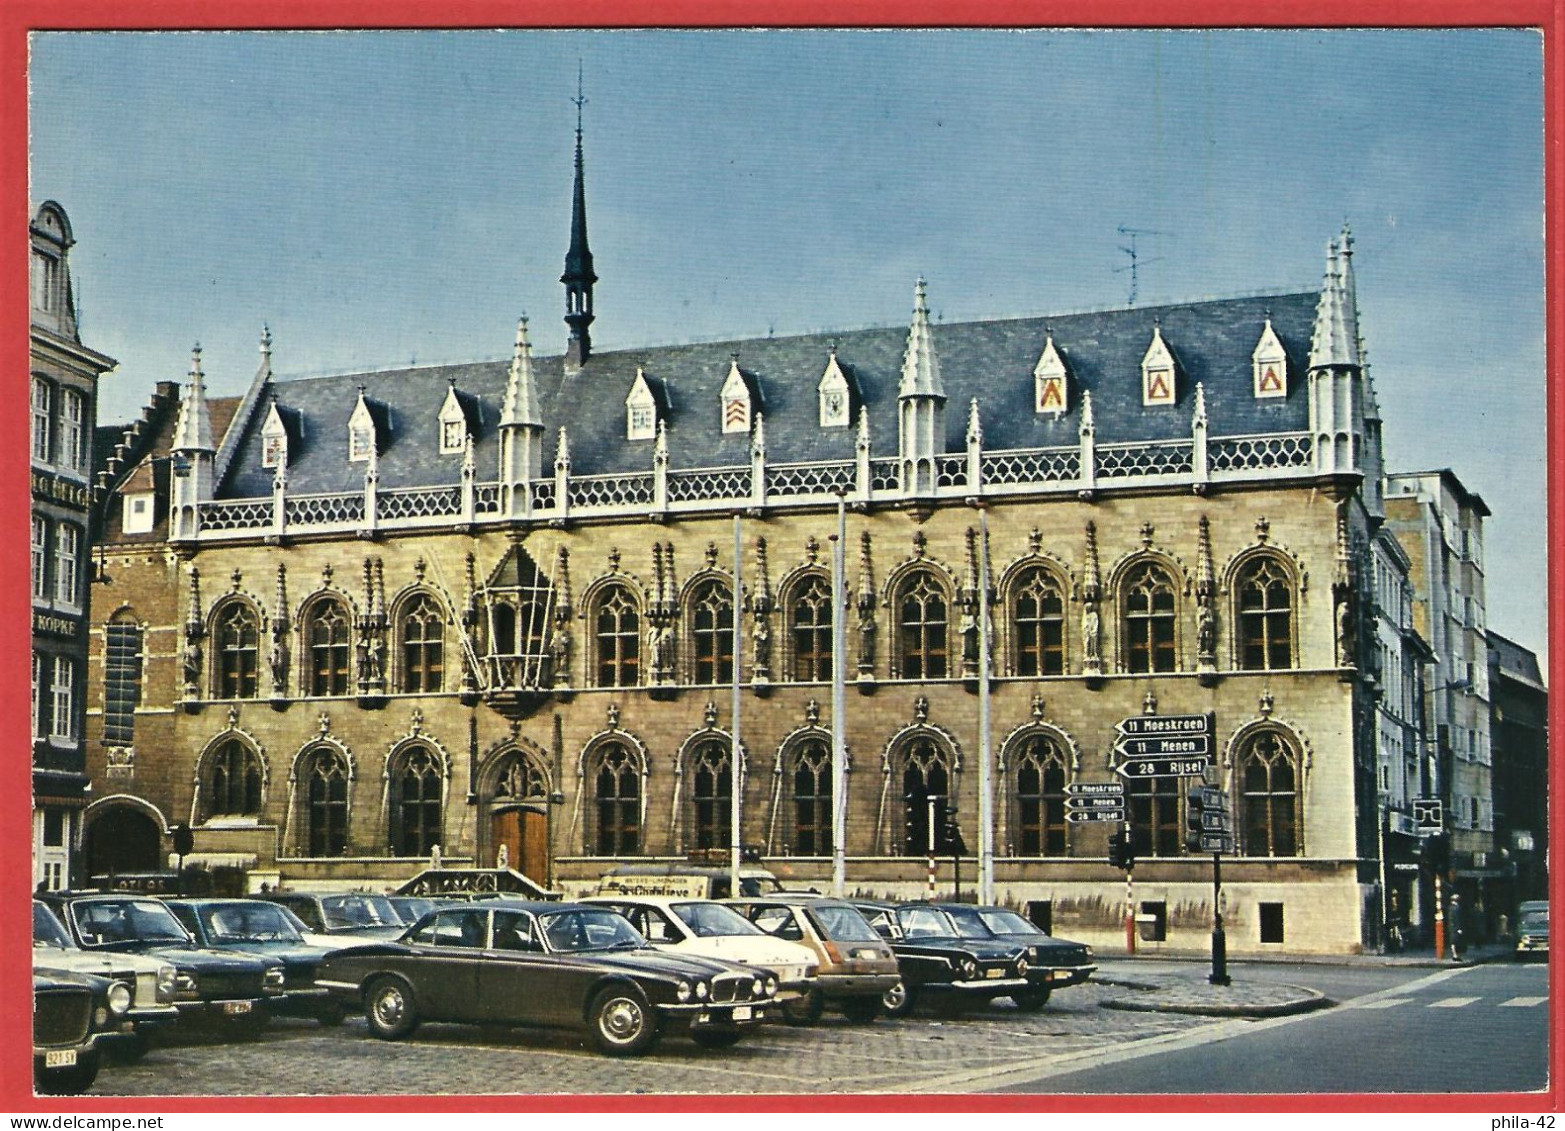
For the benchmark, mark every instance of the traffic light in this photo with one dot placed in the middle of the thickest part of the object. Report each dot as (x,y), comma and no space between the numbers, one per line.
(951,842)
(1127,850)
(1195,805)
(1437,850)
(916,818)
(1119,847)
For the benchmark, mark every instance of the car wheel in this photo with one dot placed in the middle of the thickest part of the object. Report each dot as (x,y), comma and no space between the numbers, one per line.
(716,1038)
(804,1010)
(67,1081)
(390,1009)
(1032,1000)
(620,1022)
(861,1010)
(898,1000)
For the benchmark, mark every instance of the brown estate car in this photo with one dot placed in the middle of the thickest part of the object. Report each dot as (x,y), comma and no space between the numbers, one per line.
(556,965)
(857,968)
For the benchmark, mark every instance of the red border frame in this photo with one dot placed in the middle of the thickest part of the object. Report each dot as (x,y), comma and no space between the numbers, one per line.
(19,17)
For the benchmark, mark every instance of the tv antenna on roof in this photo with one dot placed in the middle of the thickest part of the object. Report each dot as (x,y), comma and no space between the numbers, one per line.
(1135,259)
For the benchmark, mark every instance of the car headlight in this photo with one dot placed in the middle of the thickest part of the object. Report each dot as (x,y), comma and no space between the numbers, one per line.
(771,984)
(1088,951)
(167,982)
(100,1017)
(968,968)
(757,988)
(701,991)
(273,979)
(1032,953)
(119,999)
(1021,966)
(185,983)
(682,991)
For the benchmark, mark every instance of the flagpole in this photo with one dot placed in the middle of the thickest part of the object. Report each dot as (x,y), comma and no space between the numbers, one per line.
(839,750)
(736,784)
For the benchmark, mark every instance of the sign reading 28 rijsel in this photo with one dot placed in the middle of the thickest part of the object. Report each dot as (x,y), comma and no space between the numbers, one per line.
(1159,746)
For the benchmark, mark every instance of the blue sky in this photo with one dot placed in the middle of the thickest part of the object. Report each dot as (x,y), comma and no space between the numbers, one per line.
(383,197)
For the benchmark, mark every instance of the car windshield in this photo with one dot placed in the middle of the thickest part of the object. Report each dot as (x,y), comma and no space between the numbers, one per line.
(590,928)
(359,910)
(113,922)
(969,925)
(925,922)
(47,930)
(1003,922)
(247,922)
(1533,921)
(710,919)
(842,923)
(412,908)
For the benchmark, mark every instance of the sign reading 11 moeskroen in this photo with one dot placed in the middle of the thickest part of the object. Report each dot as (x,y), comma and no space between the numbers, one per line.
(1094,801)
(1165,746)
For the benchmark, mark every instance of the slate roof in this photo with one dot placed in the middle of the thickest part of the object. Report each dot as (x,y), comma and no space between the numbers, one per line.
(990,360)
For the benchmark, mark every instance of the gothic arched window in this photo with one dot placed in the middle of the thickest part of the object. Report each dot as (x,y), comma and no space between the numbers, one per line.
(1267,770)
(712,632)
(1038,620)
(122,663)
(809,621)
(1265,616)
(416,787)
(1147,597)
(520,780)
(616,638)
(926,778)
(325,783)
(326,638)
(238,647)
(711,796)
(1040,774)
(233,781)
(422,627)
(812,812)
(615,775)
(921,627)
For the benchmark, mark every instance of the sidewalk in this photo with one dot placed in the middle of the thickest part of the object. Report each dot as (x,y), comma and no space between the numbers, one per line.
(1475,956)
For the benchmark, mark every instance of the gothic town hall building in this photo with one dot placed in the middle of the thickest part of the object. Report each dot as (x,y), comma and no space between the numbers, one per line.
(342,621)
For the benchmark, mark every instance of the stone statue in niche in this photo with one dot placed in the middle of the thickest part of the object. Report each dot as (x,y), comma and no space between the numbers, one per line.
(1089,634)
(277,662)
(191,664)
(560,654)
(1205,632)
(761,646)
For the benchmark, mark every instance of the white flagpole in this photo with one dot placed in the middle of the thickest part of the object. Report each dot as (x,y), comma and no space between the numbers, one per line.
(733,760)
(985,774)
(839,754)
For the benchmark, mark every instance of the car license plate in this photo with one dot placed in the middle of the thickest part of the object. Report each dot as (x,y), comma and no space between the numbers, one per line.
(994,973)
(236,1007)
(59,1058)
(743,1012)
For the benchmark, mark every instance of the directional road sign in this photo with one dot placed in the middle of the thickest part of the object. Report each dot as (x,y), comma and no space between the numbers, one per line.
(1428,814)
(1167,746)
(1166,724)
(1082,816)
(1217,822)
(1095,802)
(1217,842)
(1095,788)
(1163,768)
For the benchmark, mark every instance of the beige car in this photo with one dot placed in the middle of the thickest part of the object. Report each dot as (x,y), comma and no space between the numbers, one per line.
(856,965)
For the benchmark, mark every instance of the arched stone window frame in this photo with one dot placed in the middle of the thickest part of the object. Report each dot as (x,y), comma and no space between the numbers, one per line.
(1122,581)
(902,580)
(310,610)
(681,824)
(297,783)
(201,780)
(221,611)
(1234,758)
(584,817)
(122,753)
(782,825)
(1234,577)
(401,606)
(493,769)
(1012,750)
(691,596)
(593,600)
(390,798)
(891,822)
(792,591)
(1013,583)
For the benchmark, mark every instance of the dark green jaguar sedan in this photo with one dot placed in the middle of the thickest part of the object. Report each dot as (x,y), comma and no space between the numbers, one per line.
(557,965)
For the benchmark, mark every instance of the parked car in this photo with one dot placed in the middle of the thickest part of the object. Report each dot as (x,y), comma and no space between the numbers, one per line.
(713,930)
(509,962)
(693,881)
(358,914)
(1051,963)
(231,988)
(70,1012)
(150,981)
(253,926)
(856,965)
(412,908)
(937,963)
(1532,929)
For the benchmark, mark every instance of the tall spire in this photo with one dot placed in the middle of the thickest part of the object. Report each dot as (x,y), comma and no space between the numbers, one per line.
(579,276)
(520,406)
(1336,340)
(193,432)
(920,367)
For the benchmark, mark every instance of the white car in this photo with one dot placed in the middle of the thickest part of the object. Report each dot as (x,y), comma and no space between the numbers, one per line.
(713,930)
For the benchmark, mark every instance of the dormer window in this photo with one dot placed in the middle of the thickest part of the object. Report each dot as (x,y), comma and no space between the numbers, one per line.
(736,401)
(640,410)
(1270,364)
(1157,372)
(1050,380)
(361,431)
(453,424)
(834,400)
(137,515)
(274,439)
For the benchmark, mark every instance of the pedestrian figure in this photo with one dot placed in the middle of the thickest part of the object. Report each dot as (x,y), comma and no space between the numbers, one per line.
(1453,924)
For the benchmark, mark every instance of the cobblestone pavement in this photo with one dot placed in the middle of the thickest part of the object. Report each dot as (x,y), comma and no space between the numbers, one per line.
(925,1053)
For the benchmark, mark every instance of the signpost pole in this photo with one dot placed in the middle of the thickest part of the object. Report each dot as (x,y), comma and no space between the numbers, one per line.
(1219,975)
(839,724)
(1130,902)
(930,848)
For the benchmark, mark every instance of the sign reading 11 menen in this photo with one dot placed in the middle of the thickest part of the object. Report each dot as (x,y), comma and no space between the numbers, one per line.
(1165,746)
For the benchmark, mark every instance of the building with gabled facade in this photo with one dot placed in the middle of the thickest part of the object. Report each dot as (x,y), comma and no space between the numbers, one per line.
(490,608)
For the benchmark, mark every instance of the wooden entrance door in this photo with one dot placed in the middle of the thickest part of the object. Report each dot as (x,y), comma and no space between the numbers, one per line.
(525,834)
